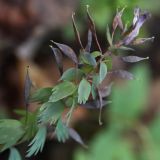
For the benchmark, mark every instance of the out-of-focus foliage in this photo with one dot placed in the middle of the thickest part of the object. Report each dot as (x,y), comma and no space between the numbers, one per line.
(126,137)
(104,10)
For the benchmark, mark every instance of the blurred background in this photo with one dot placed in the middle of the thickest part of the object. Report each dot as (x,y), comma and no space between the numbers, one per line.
(26,28)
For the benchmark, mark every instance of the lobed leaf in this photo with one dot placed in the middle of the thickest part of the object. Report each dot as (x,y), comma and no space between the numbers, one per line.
(61,131)
(72,74)
(38,142)
(14,154)
(84,90)
(41,95)
(62,91)
(11,131)
(50,112)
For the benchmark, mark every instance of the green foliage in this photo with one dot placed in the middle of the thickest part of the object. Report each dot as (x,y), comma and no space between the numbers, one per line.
(84,90)
(8,128)
(61,131)
(103,71)
(37,143)
(62,91)
(50,112)
(41,95)
(14,154)
(72,74)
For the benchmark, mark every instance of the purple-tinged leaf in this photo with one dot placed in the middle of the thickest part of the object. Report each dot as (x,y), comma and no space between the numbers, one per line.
(105,91)
(68,51)
(58,57)
(27,89)
(140,41)
(123,74)
(133,59)
(77,35)
(89,42)
(75,136)
(95,104)
(136,15)
(117,21)
(135,29)
(93,29)
(125,48)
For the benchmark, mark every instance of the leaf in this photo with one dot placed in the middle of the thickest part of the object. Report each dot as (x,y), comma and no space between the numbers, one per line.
(140,41)
(125,48)
(27,89)
(58,57)
(103,71)
(76,32)
(75,136)
(50,112)
(62,90)
(109,38)
(61,131)
(14,154)
(72,74)
(88,59)
(129,38)
(84,90)
(96,54)
(95,104)
(41,95)
(123,74)
(93,29)
(133,59)
(105,90)
(30,126)
(38,142)
(95,83)
(108,61)
(89,42)
(11,131)
(117,21)
(100,107)
(67,51)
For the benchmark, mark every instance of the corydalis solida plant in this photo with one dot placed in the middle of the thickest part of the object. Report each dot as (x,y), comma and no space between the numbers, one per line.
(77,86)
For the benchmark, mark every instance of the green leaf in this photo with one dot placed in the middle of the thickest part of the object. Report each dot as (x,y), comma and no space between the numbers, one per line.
(103,71)
(38,142)
(30,125)
(72,74)
(10,133)
(109,38)
(84,90)
(87,58)
(96,54)
(14,154)
(50,112)
(61,131)
(41,95)
(62,90)
(95,83)
(108,61)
